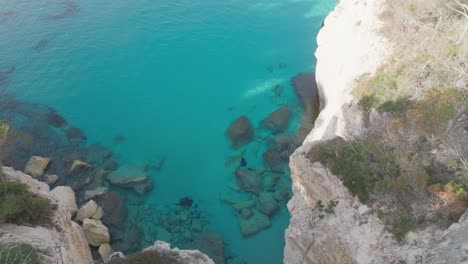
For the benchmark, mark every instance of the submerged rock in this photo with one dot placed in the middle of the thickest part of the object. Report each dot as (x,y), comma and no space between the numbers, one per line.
(186,201)
(114,208)
(267,203)
(127,176)
(248,180)
(36,166)
(212,245)
(55,119)
(278,120)
(273,160)
(254,224)
(240,132)
(305,87)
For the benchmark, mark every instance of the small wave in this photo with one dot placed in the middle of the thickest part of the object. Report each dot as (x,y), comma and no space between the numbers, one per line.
(263,87)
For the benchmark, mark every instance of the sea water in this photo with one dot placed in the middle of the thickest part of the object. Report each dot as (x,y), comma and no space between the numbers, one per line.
(169,76)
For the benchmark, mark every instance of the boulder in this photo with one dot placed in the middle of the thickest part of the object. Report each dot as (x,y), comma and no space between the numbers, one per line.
(248,180)
(267,204)
(96,233)
(51,179)
(240,132)
(87,210)
(127,176)
(278,120)
(105,250)
(254,224)
(36,166)
(65,195)
(98,214)
(78,164)
(273,160)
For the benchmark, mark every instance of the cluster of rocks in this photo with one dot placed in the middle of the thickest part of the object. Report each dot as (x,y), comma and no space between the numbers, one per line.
(39,130)
(262,189)
(183,224)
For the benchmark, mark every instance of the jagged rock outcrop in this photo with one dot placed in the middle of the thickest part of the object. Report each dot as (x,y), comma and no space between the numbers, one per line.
(348,46)
(61,243)
(165,254)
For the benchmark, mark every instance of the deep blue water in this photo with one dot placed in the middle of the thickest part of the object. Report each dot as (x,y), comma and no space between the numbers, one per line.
(169,76)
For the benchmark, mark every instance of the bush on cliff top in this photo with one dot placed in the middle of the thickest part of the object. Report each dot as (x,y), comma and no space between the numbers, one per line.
(359,164)
(19,206)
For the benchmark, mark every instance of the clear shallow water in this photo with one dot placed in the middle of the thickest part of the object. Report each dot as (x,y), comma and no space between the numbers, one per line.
(170,76)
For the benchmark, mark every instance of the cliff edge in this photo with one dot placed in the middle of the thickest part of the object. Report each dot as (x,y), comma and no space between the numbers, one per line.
(333,220)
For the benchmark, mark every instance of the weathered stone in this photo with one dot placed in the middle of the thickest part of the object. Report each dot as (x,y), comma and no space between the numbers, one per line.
(66,196)
(240,132)
(78,164)
(36,166)
(51,179)
(96,233)
(105,250)
(273,160)
(267,203)
(180,256)
(254,224)
(127,176)
(248,180)
(98,214)
(278,120)
(87,210)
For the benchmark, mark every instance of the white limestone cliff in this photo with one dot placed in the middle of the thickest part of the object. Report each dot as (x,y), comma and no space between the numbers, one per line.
(349,46)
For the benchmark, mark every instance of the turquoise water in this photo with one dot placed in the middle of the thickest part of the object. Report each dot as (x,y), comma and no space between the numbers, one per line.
(169,76)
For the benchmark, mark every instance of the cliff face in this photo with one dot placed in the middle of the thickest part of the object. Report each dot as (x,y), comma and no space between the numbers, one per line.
(61,243)
(349,46)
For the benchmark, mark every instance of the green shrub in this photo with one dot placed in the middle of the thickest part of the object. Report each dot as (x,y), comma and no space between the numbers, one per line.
(438,107)
(18,254)
(401,225)
(361,165)
(19,206)
(397,107)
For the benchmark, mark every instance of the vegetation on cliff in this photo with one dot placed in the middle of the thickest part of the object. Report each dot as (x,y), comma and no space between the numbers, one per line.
(413,171)
(21,207)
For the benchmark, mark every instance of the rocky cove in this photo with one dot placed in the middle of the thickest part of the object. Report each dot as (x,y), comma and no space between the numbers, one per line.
(330,222)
